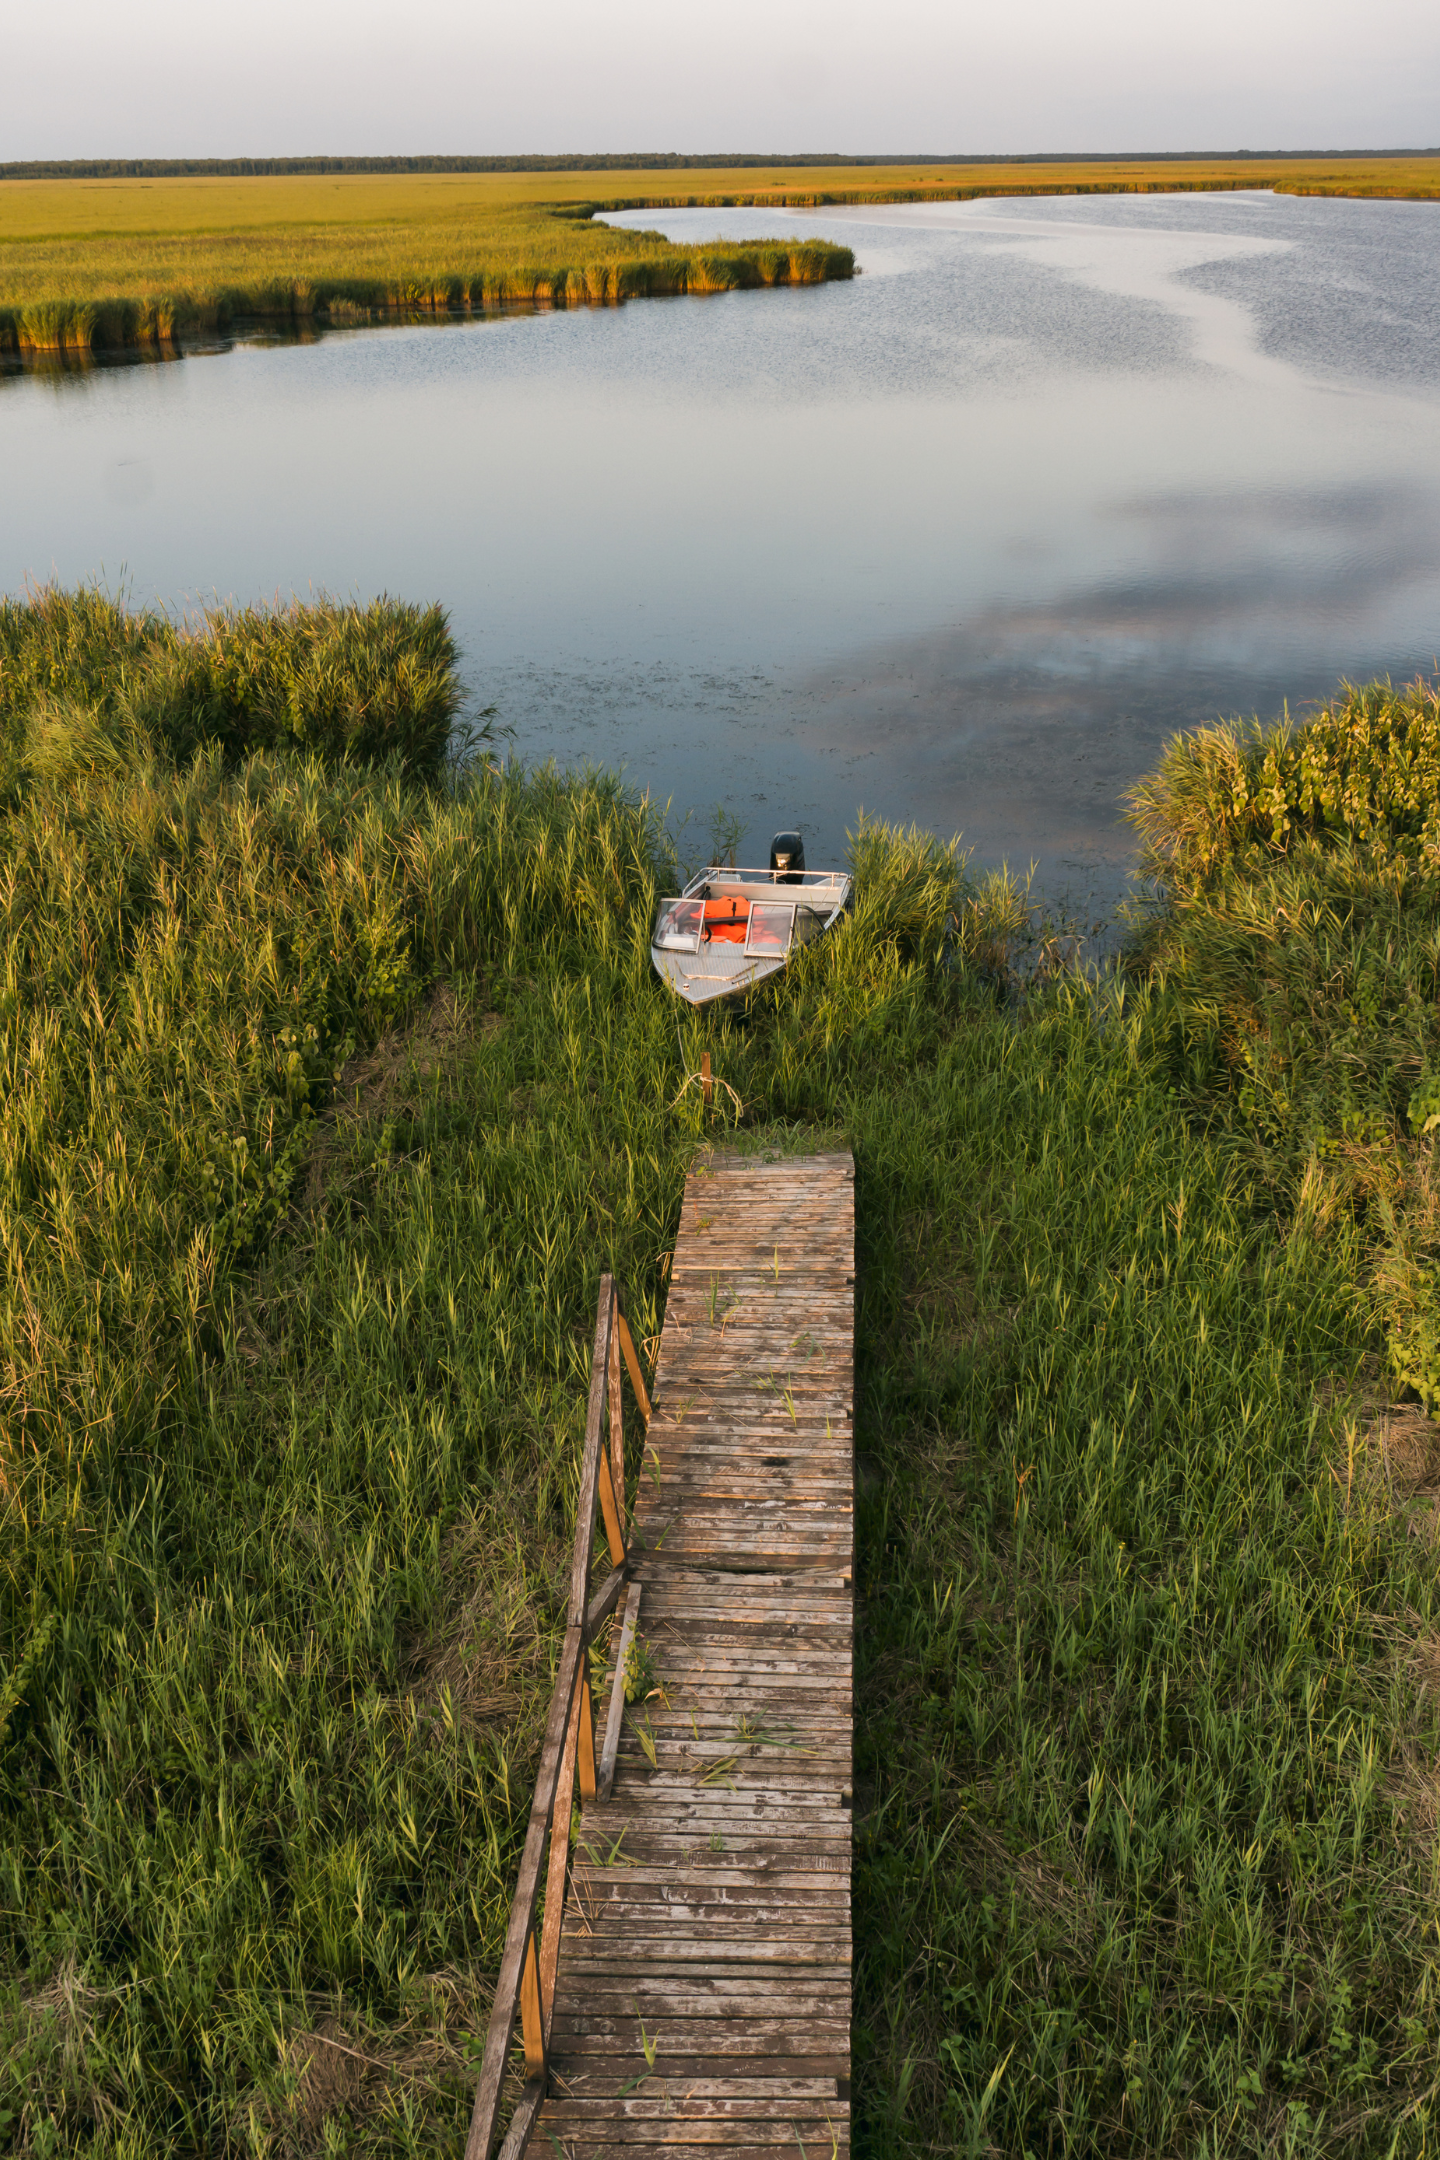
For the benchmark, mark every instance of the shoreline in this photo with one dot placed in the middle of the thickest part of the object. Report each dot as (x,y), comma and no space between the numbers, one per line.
(157,319)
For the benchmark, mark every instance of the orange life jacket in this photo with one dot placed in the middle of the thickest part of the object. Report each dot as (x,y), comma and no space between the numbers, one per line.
(727,921)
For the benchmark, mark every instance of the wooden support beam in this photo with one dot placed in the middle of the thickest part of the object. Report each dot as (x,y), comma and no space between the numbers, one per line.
(522,2122)
(587,1740)
(606,1598)
(633,1364)
(610,1510)
(532,2024)
(617,1420)
(590,1459)
(522,1911)
(557,1872)
(613,1722)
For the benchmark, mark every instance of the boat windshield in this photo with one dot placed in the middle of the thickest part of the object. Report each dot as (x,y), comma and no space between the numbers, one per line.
(678,926)
(771,922)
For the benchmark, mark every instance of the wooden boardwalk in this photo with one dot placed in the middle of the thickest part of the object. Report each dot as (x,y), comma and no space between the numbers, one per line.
(702,2000)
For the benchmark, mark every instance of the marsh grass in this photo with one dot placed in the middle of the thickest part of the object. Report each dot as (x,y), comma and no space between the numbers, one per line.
(93,262)
(1145,1698)
(69,293)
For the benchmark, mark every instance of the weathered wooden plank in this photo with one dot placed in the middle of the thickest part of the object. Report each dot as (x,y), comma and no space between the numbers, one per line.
(722,1871)
(811,2084)
(779,1934)
(716,1950)
(754,1904)
(832,1829)
(708,1594)
(723,2026)
(668,2130)
(765,1652)
(818,2047)
(677,2103)
(662,1847)
(808,1996)
(594,1436)
(600,2140)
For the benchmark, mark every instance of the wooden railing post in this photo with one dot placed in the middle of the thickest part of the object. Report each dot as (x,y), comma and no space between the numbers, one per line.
(559,1867)
(519,1940)
(528,1969)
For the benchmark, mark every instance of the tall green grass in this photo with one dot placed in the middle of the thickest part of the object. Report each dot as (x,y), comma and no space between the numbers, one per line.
(328,1093)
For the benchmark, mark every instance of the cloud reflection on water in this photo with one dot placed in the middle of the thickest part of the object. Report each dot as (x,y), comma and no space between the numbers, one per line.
(1024,725)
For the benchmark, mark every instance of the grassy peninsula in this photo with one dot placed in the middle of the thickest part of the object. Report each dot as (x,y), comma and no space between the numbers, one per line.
(334,1074)
(88,260)
(85,263)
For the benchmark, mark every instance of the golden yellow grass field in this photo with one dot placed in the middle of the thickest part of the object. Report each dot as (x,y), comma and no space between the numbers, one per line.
(87,261)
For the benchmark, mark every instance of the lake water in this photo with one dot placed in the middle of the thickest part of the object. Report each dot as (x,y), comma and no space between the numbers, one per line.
(961,542)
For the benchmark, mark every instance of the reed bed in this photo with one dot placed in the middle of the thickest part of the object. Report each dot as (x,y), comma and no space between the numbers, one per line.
(62,291)
(329,1092)
(109,262)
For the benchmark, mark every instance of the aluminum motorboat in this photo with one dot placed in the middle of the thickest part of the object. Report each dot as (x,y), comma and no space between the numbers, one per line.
(732,929)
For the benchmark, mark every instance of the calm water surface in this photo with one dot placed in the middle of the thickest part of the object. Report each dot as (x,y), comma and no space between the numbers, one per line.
(960,542)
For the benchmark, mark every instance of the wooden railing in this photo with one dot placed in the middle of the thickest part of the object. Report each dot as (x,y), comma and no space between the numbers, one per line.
(526,1986)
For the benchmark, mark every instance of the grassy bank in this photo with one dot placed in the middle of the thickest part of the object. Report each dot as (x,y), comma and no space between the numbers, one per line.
(330,1089)
(116,261)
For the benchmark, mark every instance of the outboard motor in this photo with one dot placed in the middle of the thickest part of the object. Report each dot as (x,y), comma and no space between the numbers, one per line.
(787,858)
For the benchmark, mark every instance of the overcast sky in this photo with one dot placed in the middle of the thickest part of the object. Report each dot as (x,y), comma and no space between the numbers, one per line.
(170,78)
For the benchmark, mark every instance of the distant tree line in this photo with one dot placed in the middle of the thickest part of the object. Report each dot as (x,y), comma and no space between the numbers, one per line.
(627,161)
